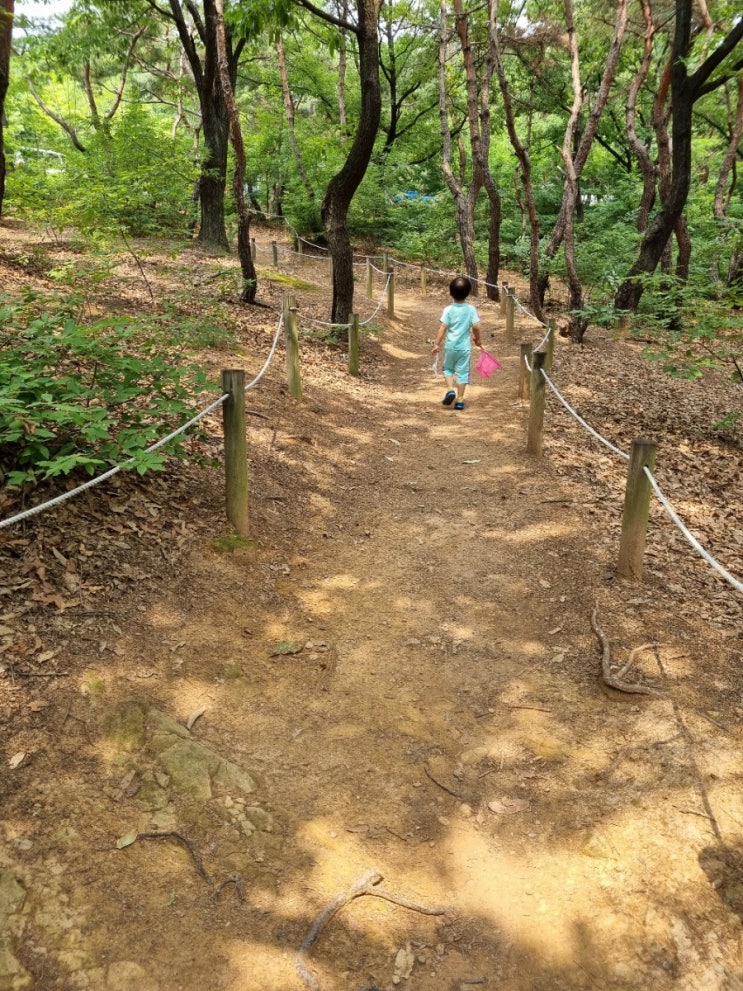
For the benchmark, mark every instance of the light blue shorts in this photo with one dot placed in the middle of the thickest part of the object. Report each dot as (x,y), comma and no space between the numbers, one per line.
(457,363)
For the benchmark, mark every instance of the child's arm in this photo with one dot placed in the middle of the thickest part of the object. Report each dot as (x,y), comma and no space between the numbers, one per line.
(439,338)
(476,334)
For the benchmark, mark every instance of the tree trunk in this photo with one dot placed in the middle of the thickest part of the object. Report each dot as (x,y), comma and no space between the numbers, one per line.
(464,201)
(245,255)
(6,30)
(577,324)
(478,116)
(647,169)
(589,133)
(525,171)
(289,109)
(343,185)
(215,123)
(722,198)
(685,89)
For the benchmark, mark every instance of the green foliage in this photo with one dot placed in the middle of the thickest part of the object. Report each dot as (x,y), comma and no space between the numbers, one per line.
(82,397)
(133,178)
(692,327)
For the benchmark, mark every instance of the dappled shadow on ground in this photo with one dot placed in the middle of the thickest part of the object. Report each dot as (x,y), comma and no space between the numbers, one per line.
(397,674)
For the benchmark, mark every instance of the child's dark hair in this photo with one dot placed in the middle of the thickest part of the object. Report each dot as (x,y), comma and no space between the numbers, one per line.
(460,288)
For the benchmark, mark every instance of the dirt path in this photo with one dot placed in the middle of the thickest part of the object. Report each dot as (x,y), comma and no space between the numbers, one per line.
(400,676)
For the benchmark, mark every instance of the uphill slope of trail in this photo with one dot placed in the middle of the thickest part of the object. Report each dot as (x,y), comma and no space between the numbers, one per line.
(398,675)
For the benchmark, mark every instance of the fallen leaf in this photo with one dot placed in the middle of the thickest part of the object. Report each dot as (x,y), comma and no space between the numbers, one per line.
(38,705)
(127,839)
(509,806)
(194,716)
(17,759)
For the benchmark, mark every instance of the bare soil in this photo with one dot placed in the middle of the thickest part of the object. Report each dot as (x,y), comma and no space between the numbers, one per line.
(206,746)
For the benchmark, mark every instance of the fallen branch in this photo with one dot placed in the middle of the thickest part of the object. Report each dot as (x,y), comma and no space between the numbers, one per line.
(609,676)
(365,885)
(441,786)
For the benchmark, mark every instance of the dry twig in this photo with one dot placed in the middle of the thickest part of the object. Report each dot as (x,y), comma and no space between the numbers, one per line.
(365,885)
(441,786)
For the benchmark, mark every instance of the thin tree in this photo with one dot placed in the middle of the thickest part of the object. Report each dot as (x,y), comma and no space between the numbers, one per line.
(583,148)
(464,196)
(6,31)
(289,110)
(524,183)
(478,117)
(244,254)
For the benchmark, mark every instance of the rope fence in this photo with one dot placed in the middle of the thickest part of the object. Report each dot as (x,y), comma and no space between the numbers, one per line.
(91,483)
(635,516)
(535,360)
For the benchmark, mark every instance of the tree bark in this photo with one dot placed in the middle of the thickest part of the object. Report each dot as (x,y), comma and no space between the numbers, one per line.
(588,135)
(6,31)
(464,201)
(526,181)
(639,148)
(215,122)
(577,324)
(685,90)
(343,185)
(244,254)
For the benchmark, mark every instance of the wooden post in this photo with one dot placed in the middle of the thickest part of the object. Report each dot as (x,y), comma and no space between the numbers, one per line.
(385,261)
(510,306)
(391,293)
(525,370)
(503,298)
(353,346)
(369,279)
(253,249)
(550,344)
(636,509)
(536,405)
(235,450)
(423,280)
(291,332)
(274,254)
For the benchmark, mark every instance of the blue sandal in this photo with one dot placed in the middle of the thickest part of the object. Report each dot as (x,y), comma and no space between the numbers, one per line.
(458,405)
(449,398)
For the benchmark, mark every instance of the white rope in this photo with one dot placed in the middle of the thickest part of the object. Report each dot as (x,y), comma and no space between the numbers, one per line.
(738,585)
(154,447)
(656,488)
(580,419)
(112,471)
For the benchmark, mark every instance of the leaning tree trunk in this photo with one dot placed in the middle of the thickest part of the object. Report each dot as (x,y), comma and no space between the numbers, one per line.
(244,254)
(641,153)
(6,28)
(343,185)
(577,323)
(685,89)
(525,171)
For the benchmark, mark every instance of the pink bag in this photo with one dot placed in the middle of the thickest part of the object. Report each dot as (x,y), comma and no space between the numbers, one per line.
(486,365)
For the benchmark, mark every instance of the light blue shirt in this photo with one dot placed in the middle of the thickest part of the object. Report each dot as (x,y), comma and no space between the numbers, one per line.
(459,318)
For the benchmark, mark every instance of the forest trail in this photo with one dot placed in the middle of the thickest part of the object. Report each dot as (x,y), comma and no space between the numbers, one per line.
(399,676)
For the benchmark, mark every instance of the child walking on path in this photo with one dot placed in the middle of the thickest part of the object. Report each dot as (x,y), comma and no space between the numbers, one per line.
(460,325)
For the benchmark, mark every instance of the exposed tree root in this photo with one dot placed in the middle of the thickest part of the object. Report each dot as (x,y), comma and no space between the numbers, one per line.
(612,676)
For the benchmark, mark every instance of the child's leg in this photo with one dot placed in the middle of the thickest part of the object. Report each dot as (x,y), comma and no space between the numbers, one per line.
(462,373)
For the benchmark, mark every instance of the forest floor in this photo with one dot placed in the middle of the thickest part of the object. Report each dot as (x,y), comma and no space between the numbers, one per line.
(206,752)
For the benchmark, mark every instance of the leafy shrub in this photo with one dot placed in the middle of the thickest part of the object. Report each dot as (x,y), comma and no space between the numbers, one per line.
(83,397)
